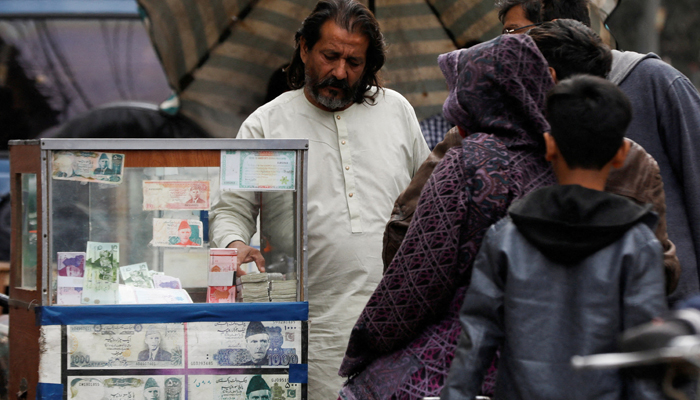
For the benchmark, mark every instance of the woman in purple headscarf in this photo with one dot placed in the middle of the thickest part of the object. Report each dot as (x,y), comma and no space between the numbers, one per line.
(404,341)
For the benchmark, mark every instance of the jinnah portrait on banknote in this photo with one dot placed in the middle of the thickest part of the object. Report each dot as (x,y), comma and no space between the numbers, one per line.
(257,341)
(184,232)
(153,351)
(103,166)
(195,192)
(258,389)
(151,390)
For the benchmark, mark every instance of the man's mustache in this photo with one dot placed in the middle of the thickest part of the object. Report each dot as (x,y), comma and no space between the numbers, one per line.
(335,83)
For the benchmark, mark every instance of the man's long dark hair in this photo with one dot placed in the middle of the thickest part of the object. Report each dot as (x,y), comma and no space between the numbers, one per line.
(353,17)
(532,8)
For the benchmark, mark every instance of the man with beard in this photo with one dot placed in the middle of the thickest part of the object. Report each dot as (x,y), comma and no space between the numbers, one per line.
(364,147)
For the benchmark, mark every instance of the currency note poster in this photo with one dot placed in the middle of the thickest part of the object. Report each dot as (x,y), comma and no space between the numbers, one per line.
(243,387)
(176,195)
(257,170)
(242,344)
(88,166)
(135,346)
(177,232)
(153,387)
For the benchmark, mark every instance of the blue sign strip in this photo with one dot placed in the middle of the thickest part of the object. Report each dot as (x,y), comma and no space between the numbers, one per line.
(298,373)
(164,313)
(49,391)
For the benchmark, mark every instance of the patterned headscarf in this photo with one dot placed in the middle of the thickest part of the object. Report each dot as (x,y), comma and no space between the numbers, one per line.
(498,87)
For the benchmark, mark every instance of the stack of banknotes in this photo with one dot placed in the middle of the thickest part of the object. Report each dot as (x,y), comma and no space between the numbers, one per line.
(253,288)
(265,287)
(283,290)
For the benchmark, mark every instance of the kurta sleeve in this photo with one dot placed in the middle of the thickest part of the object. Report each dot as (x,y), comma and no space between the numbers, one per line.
(459,202)
(481,318)
(421,151)
(234,216)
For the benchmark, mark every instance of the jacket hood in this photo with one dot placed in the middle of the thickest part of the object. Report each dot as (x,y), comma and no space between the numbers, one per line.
(498,87)
(624,62)
(569,223)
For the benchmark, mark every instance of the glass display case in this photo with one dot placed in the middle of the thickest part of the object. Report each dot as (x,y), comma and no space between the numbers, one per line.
(111,256)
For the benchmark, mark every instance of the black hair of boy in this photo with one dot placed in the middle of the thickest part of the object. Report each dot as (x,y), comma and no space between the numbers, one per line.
(532,8)
(560,9)
(588,117)
(572,48)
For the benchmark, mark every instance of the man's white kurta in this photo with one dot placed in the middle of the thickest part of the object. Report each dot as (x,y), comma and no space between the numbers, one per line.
(360,160)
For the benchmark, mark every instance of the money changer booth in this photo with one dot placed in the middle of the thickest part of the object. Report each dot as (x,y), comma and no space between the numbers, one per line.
(117,291)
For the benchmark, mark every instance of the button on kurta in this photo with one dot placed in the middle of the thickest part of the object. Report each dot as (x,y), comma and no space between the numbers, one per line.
(337,116)
(350,195)
(347,168)
(343,142)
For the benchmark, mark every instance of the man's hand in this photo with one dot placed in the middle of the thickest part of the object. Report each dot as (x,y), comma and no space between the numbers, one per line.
(247,254)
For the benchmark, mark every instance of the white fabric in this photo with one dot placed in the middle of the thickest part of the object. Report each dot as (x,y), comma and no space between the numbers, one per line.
(369,151)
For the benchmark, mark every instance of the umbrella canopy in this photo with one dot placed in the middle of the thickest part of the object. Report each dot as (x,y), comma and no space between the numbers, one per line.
(219,54)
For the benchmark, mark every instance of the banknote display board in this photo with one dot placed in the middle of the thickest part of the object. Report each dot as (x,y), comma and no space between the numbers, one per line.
(188,360)
(115,270)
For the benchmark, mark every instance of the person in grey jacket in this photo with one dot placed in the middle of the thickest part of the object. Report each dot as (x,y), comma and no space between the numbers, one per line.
(568,269)
(666,123)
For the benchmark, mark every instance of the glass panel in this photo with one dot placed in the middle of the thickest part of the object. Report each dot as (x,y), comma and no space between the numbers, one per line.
(107,213)
(29,231)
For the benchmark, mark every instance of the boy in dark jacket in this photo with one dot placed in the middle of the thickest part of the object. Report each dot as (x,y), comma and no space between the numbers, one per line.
(568,269)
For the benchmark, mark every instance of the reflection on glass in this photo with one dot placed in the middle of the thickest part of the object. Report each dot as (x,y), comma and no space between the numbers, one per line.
(109,213)
(29,231)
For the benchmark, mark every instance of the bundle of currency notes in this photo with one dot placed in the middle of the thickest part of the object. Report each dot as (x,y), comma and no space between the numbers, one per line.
(254,292)
(71,269)
(283,290)
(101,282)
(222,274)
(266,287)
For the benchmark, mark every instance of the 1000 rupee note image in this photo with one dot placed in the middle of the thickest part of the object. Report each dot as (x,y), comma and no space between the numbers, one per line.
(230,344)
(117,346)
(101,281)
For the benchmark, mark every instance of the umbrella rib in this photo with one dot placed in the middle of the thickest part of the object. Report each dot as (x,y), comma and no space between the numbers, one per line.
(188,78)
(444,27)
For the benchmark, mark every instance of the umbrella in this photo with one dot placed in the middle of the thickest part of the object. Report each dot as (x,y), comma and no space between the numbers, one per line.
(219,54)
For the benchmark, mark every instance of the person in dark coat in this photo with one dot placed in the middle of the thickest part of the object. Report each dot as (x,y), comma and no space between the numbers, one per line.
(403,342)
(568,270)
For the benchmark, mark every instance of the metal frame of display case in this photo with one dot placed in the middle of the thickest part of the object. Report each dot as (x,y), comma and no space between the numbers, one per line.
(34,157)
